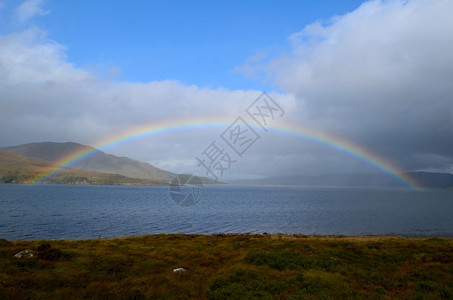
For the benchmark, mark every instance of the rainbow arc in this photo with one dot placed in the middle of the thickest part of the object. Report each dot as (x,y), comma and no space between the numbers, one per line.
(334,142)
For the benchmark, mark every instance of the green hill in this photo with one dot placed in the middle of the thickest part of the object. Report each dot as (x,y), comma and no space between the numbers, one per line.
(16,168)
(99,161)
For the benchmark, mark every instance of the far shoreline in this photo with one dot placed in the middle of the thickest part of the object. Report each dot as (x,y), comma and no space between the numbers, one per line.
(294,236)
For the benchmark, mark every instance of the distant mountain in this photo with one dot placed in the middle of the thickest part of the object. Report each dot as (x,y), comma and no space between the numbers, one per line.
(16,168)
(433,180)
(429,180)
(98,161)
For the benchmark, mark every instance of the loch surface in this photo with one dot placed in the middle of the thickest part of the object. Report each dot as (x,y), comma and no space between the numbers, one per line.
(29,212)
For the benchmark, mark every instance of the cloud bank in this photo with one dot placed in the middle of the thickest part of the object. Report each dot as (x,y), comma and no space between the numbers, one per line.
(45,98)
(380,75)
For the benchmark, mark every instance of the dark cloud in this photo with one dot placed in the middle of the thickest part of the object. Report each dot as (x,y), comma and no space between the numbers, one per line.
(380,76)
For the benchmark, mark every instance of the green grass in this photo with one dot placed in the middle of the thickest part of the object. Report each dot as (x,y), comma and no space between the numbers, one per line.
(230,267)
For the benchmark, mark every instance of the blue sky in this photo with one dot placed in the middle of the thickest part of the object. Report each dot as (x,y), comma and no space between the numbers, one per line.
(375,73)
(195,42)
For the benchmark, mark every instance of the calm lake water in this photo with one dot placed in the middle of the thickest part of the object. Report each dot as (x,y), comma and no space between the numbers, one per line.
(81,212)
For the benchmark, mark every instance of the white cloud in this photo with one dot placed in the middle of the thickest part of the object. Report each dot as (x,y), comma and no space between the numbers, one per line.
(46,98)
(30,8)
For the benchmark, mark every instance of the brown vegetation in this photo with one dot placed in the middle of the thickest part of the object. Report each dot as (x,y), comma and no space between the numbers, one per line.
(229,267)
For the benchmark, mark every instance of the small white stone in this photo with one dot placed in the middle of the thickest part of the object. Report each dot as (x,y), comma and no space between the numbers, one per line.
(24,253)
(178,270)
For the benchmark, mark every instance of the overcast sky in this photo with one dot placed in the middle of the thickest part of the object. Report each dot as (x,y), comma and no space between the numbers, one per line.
(377,73)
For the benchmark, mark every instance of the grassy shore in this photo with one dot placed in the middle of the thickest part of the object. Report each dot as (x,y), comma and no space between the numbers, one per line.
(229,267)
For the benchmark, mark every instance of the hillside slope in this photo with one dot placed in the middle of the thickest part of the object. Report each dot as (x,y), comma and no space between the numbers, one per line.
(16,168)
(98,161)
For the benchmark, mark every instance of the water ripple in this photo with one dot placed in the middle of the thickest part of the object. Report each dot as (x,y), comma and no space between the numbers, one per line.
(80,212)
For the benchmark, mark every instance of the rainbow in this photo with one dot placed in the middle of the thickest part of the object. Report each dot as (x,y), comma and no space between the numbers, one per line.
(334,142)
